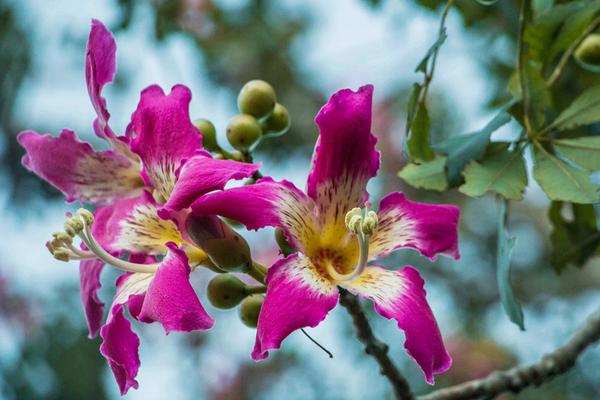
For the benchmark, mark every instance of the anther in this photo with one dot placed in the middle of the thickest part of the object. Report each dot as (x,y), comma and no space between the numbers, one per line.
(370,223)
(61,254)
(86,216)
(62,237)
(73,226)
(355,212)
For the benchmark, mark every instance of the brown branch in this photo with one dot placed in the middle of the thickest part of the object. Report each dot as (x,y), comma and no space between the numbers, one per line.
(520,377)
(375,347)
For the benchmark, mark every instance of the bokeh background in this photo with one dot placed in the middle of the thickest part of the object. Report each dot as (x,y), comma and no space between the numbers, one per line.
(307,50)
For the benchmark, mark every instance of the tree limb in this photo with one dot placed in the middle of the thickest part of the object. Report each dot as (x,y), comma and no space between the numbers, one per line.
(520,377)
(374,347)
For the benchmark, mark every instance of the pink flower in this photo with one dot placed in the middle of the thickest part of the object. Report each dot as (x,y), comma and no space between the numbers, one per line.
(143,187)
(335,238)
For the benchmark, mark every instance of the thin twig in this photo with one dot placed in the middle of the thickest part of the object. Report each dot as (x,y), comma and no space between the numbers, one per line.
(374,347)
(522,67)
(520,377)
(429,74)
(319,345)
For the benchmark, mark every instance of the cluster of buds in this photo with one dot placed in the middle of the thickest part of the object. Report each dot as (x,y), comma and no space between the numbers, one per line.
(261,116)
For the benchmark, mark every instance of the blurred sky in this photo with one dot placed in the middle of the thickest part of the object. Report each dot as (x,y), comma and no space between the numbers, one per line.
(347,45)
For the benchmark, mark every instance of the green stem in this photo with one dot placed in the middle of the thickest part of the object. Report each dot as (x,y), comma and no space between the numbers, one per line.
(429,74)
(257,271)
(521,68)
(255,289)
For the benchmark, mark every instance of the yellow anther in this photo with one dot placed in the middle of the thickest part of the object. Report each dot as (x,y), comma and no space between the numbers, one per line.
(352,213)
(355,224)
(61,255)
(370,222)
(86,216)
(62,237)
(73,226)
(55,243)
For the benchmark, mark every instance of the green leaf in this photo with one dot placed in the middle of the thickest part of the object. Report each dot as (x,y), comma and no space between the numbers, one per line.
(487,2)
(584,151)
(541,32)
(540,99)
(500,171)
(584,110)
(418,144)
(462,149)
(422,66)
(573,28)
(504,251)
(428,175)
(541,6)
(563,182)
(573,241)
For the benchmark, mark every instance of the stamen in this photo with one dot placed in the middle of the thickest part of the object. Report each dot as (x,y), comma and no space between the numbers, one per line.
(62,248)
(95,247)
(363,227)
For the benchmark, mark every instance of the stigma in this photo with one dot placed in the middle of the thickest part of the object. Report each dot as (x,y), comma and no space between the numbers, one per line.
(62,248)
(362,224)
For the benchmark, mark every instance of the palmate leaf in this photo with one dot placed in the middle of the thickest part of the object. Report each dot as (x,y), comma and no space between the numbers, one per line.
(561,181)
(574,241)
(584,110)
(417,143)
(584,151)
(464,148)
(504,251)
(500,171)
(429,175)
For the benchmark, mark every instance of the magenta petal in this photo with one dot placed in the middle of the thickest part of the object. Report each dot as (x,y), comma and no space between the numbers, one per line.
(89,280)
(133,225)
(202,174)
(120,348)
(345,157)
(73,167)
(266,203)
(163,135)
(430,228)
(171,299)
(400,295)
(100,65)
(297,297)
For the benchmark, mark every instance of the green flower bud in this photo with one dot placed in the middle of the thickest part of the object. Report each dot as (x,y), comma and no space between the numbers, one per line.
(243,132)
(237,156)
(284,245)
(257,98)
(588,53)
(250,309)
(225,248)
(209,134)
(277,123)
(226,291)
